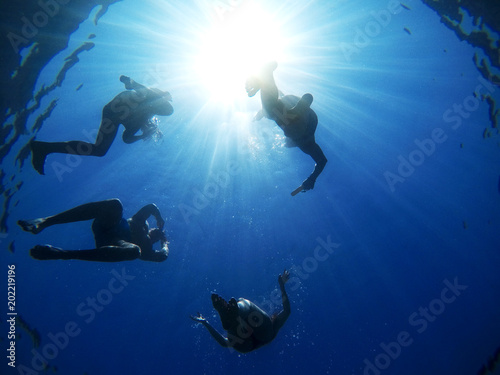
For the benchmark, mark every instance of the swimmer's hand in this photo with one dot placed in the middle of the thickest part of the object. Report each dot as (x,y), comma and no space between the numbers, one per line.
(165,251)
(160,222)
(164,245)
(148,131)
(308,184)
(283,278)
(198,318)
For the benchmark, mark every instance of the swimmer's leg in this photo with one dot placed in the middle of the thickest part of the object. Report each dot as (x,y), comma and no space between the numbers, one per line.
(47,252)
(109,210)
(264,81)
(269,93)
(126,251)
(105,137)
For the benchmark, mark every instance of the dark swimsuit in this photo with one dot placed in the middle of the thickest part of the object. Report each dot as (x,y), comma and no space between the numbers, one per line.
(311,120)
(106,235)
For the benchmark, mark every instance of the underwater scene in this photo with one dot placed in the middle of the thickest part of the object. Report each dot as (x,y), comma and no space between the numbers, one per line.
(252,187)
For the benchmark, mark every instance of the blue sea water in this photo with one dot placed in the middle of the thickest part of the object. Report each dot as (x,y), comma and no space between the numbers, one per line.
(388,277)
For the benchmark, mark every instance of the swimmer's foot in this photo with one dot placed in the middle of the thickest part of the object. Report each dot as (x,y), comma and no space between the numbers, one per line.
(228,311)
(218,302)
(33,226)
(253,84)
(48,252)
(38,155)
(127,82)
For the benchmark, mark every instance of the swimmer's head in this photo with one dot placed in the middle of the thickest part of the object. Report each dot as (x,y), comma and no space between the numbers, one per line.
(154,121)
(156,235)
(153,131)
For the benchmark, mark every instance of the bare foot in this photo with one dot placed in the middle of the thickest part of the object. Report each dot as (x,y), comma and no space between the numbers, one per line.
(252,86)
(218,302)
(254,83)
(34,226)
(47,252)
(127,82)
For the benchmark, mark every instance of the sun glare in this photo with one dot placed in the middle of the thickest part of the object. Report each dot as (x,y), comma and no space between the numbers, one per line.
(236,47)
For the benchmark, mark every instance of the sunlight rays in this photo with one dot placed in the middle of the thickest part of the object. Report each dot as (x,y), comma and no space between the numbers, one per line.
(210,59)
(232,49)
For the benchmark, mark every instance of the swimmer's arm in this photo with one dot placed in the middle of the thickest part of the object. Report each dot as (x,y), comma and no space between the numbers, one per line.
(142,90)
(155,256)
(285,313)
(216,335)
(319,157)
(320,160)
(149,210)
(130,137)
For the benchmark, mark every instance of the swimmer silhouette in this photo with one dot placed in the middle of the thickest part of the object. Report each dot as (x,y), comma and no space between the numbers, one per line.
(132,109)
(116,238)
(248,326)
(293,115)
